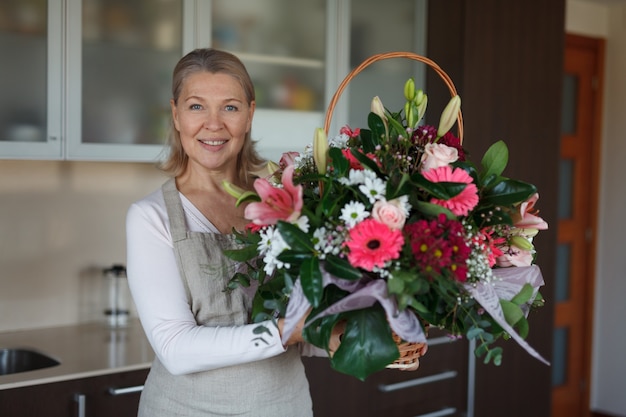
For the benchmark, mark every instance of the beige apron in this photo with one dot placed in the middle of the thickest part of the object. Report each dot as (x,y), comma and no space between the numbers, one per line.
(274,387)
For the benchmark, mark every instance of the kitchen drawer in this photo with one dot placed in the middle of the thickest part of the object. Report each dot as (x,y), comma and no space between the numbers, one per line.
(439,384)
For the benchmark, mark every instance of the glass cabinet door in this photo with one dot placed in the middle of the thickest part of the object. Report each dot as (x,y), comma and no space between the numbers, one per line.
(119,75)
(30,79)
(282,44)
(370,34)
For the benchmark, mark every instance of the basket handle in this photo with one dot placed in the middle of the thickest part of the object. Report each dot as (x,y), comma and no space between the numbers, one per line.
(387,55)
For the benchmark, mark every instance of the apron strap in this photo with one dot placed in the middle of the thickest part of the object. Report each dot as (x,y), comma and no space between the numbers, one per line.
(175,211)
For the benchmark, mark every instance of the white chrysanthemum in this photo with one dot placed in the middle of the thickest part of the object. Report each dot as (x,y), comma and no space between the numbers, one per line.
(303,223)
(373,188)
(271,245)
(404,204)
(353,212)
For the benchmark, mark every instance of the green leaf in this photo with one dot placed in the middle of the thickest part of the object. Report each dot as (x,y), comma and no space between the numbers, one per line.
(244,254)
(441,190)
(311,279)
(293,257)
(474,332)
(339,162)
(495,159)
(377,127)
(294,237)
(365,161)
(395,285)
(432,210)
(341,268)
(247,196)
(508,192)
(523,296)
(512,312)
(397,127)
(367,345)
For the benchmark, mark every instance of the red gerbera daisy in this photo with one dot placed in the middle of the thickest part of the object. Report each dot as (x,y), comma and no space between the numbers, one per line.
(372,243)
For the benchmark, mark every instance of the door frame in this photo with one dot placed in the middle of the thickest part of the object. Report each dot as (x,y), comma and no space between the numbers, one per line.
(597,45)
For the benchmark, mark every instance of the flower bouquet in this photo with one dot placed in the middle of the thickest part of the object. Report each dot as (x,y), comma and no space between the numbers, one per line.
(390,229)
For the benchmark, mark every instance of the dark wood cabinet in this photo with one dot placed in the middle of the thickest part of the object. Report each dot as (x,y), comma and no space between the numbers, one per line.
(438,387)
(506,59)
(100,396)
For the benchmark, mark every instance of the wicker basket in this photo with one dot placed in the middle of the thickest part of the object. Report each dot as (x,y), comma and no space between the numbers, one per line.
(409,352)
(388,55)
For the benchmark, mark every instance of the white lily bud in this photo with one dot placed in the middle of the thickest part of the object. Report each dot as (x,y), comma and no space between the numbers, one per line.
(378,108)
(320,150)
(449,115)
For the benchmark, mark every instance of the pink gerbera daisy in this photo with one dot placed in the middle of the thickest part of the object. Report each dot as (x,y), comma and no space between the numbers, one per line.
(372,243)
(462,203)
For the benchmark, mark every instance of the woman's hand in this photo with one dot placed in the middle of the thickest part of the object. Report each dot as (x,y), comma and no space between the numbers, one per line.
(296,335)
(335,337)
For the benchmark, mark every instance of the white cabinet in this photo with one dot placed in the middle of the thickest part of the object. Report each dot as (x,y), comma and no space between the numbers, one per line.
(90,79)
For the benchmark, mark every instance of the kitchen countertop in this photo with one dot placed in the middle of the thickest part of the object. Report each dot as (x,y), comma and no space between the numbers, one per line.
(83,350)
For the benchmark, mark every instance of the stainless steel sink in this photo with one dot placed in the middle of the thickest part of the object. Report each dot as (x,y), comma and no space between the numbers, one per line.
(17,360)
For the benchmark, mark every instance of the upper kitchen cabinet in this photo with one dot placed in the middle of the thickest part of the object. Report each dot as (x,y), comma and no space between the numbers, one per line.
(30,79)
(120,58)
(283,44)
(90,79)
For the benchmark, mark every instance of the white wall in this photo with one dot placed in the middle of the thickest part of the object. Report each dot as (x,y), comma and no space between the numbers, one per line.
(61,223)
(607,19)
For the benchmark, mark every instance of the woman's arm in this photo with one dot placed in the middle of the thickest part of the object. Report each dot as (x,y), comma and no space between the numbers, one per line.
(180,343)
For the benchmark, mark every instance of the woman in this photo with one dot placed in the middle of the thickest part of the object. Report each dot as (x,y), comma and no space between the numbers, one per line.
(209,361)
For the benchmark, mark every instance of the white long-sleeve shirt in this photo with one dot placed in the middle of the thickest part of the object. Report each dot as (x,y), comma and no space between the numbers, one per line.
(181,345)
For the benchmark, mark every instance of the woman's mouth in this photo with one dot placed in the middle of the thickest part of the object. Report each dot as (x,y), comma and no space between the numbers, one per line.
(212,142)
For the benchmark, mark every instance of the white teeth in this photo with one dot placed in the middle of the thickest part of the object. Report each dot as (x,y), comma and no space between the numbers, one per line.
(213,142)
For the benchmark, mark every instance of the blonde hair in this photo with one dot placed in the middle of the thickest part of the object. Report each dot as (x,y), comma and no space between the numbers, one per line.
(213,61)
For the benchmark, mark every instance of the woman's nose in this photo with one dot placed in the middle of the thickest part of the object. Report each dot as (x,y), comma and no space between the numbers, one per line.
(212,120)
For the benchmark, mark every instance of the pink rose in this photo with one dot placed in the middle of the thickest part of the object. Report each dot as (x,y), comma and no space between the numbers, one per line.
(437,155)
(391,213)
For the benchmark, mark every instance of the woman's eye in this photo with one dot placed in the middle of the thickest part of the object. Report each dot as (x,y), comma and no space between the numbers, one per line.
(195,107)
(230,107)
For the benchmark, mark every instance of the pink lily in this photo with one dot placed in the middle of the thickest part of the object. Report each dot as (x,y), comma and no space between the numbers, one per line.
(276,203)
(527,217)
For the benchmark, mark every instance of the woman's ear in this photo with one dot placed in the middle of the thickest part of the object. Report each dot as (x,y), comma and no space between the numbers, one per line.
(251,109)
(174,114)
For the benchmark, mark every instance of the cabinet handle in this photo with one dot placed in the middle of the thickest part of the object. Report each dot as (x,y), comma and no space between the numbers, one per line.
(417,381)
(81,399)
(440,413)
(127,390)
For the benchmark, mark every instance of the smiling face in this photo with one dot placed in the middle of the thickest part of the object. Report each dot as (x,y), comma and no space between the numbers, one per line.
(212,116)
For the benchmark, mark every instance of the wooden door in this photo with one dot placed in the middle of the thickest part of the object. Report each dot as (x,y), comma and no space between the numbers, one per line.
(578,195)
